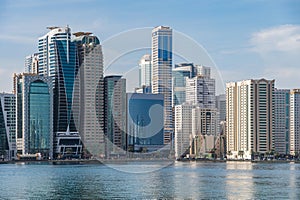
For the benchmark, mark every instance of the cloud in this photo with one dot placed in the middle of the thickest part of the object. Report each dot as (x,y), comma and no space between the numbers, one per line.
(283,38)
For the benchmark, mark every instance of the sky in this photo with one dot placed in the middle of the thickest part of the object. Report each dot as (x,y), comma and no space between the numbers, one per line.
(244,39)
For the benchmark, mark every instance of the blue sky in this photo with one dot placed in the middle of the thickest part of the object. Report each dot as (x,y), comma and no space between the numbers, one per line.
(246,39)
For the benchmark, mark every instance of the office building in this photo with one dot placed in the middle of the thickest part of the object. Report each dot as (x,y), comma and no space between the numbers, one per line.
(115,115)
(281,134)
(221,108)
(145,114)
(145,71)
(7,126)
(58,59)
(179,75)
(200,90)
(91,125)
(34,114)
(162,74)
(249,118)
(295,122)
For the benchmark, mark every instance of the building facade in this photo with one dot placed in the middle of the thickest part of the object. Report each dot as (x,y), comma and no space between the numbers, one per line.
(115,115)
(34,114)
(91,84)
(295,122)
(249,118)
(58,59)
(145,114)
(183,130)
(162,74)
(281,121)
(200,90)
(7,126)
(32,63)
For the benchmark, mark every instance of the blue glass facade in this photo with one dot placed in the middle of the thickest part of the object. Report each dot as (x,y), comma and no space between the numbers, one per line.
(39,114)
(145,114)
(179,75)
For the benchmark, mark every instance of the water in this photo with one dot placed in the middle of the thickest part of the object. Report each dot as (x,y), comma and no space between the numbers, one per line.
(182,180)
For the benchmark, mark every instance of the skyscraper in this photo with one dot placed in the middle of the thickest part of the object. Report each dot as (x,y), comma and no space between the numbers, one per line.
(32,64)
(35,114)
(281,121)
(183,129)
(58,59)
(249,117)
(7,125)
(200,90)
(145,71)
(162,73)
(115,115)
(91,125)
(295,122)
(179,75)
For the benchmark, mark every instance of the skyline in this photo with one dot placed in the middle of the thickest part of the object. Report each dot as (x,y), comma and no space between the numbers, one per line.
(248,39)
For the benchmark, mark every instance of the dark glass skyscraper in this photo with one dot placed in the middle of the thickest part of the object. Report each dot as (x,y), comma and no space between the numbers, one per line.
(58,59)
(115,115)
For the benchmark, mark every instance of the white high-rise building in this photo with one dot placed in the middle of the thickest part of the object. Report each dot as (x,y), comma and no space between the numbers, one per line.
(32,63)
(200,90)
(281,121)
(162,74)
(295,122)
(183,129)
(249,117)
(203,71)
(145,71)
(91,81)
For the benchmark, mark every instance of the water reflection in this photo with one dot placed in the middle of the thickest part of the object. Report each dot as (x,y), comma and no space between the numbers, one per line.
(182,180)
(239,180)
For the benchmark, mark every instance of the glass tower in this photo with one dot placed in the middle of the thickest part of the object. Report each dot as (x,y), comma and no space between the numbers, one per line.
(35,114)
(58,60)
(179,75)
(162,74)
(145,71)
(115,115)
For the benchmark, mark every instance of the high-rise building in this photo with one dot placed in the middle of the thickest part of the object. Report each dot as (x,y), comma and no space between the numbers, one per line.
(7,126)
(281,131)
(162,74)
(91,125)
(34,114)
(145,114)
(32,63)
(295,122)
(115,115)
(145,71)
(249,117)
(58,59)
(221,107)
(204,121)
(183,129)
(200,90)
(179,75)
(203,71)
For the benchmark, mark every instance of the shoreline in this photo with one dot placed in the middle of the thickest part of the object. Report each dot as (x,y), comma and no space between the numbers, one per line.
(120,161)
